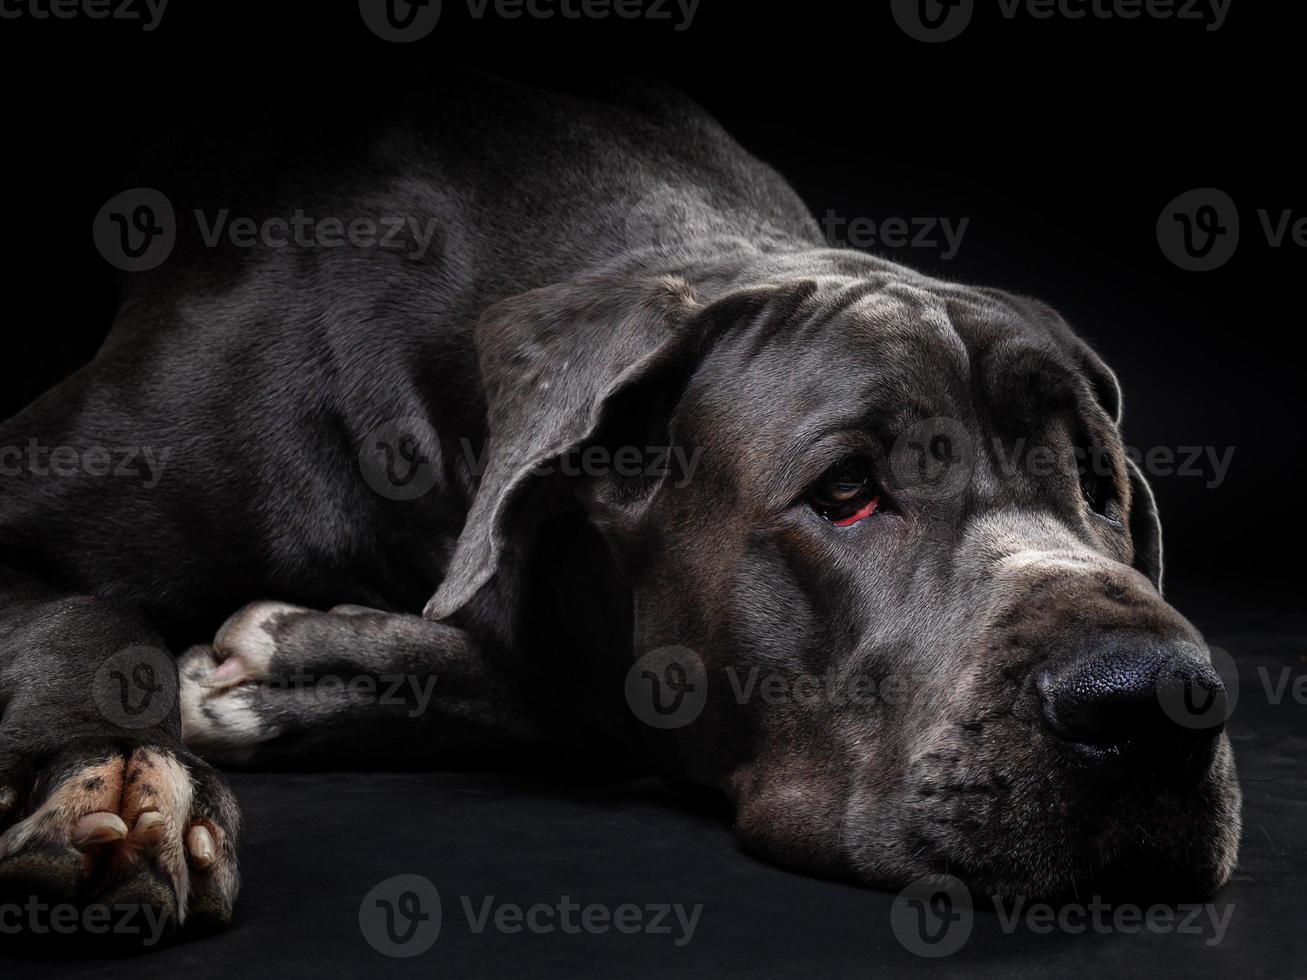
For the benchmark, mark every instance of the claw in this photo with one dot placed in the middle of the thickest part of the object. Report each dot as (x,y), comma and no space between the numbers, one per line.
(150,827)
(95,829)
(202,848)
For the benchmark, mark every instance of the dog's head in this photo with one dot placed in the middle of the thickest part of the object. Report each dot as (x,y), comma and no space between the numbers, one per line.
(898,565)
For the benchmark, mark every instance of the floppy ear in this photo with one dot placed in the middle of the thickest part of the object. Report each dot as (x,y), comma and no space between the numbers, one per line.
(1102,379)
(552,361)
(1145,526)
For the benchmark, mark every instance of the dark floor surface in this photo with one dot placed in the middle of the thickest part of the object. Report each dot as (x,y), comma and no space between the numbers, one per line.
(316,845)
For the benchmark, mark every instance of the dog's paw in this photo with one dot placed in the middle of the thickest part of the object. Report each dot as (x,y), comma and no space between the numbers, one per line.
(247,643)
(282,684)
(222,720)
(146,829)
(228,701)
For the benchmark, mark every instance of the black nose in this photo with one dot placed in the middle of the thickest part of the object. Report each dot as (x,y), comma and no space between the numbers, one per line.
(1137,707)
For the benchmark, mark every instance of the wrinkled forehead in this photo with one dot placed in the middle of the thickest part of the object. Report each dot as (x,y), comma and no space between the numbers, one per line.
(878,356)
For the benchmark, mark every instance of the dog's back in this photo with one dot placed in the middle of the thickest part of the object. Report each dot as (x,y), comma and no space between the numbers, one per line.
(325,281)
(525,186)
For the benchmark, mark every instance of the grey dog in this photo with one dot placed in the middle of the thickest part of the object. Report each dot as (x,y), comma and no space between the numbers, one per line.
(546,426)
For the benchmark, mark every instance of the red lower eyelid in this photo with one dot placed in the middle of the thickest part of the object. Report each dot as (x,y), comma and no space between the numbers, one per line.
(862,514)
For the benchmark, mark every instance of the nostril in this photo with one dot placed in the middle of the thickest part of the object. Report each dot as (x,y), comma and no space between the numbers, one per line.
(1147,707)
(1192,695)
(1103,699)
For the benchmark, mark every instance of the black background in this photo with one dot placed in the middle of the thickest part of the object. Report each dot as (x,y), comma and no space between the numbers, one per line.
(1060,140)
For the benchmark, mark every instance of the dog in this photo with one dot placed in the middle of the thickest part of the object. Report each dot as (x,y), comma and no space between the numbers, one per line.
(585,446)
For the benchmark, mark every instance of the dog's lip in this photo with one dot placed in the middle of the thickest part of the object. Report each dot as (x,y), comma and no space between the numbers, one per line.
(1109,771)
(1098,752)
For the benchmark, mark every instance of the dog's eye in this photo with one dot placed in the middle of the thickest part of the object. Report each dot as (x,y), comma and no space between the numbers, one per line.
(1098,490)
(1092,489)
(846,493)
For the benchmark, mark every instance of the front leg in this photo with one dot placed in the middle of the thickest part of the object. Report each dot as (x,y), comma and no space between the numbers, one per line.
(287,686)
(100,804)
